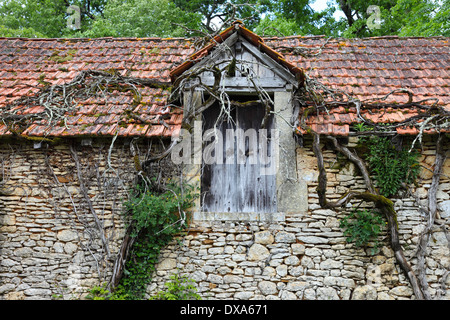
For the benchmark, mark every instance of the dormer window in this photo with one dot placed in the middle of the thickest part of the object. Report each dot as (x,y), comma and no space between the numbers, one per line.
(245,171)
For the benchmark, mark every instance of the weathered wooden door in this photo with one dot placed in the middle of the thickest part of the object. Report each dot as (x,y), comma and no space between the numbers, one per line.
(238,172)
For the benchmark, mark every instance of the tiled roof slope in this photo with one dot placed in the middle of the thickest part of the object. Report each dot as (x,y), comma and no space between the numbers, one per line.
(366,68)
(371,68)
(24,63)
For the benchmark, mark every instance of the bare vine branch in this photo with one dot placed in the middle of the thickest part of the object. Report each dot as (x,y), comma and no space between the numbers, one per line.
(57,102)
(432,211)
(385,205)
(316,98)
(84,191)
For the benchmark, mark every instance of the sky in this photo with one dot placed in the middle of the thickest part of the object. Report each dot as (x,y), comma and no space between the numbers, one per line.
(320,5)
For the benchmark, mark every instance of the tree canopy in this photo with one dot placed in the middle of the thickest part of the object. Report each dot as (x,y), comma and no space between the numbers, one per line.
(173,18)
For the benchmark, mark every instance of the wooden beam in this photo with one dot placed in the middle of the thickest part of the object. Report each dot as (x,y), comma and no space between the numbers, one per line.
(244,83)
(217,52)
(270,63)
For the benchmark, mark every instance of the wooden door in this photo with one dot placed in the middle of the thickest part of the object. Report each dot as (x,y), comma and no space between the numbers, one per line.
(237,172)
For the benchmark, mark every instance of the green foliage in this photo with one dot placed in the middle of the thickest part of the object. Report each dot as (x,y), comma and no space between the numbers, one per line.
(218,11)
(391,166)
(423,17)
(358,19)
(362,227)
(98,18)
(101,293)
(156,220)
(297,18)
(161,18)
(151,210)
(142,18)
(32,18)
(361,127)
(180,288)
(400,17)
(19,33)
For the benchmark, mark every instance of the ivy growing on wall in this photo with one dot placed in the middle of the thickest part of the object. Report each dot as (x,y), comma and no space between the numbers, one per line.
(179,288)
(155,218)
(362,227)
(391,166)
(384,166)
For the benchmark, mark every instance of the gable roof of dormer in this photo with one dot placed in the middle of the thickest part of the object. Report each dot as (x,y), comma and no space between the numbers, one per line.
(257,46)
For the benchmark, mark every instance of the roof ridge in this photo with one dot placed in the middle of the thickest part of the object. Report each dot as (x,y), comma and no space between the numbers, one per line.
(269,38)
(398,37)
(101,38)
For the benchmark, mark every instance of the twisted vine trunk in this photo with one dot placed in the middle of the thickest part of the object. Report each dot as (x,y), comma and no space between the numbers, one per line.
(121,259)
(432,211)
(385,205)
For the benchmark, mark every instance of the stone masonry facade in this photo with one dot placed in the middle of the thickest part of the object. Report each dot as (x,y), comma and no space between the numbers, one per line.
(306,256)
(50,247)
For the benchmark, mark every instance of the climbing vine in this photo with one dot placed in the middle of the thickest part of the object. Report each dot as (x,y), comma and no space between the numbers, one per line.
(314,97)
(362,227)
(154,218)
(391,166)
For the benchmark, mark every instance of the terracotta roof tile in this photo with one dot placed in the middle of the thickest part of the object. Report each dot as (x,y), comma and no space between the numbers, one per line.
(368,68)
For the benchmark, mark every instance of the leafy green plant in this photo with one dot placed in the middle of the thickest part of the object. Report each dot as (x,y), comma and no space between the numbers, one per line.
(362,227)
(361,127)
(157,218)
(180,288)
(391,167)
(158,212)
(101,293)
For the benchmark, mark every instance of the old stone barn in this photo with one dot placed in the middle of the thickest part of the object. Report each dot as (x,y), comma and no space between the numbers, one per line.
(283,139)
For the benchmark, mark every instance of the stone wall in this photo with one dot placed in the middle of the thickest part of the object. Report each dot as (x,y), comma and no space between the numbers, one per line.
(306,256)
(50,244)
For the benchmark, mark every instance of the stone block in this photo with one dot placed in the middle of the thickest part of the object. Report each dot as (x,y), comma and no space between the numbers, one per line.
(267,288)
(7,219)
(214,279)
(38,292)
(402,291)
(297,286)
(264,237)
(67,235)
(292,261)
(257,252)
(365,293)
(244,295)
(285,237)
(298,248)
(327,293)
(232,279)
(167,264)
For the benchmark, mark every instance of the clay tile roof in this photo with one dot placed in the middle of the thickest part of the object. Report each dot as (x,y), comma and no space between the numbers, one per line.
(28,65)
(365,68)
(370,69)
